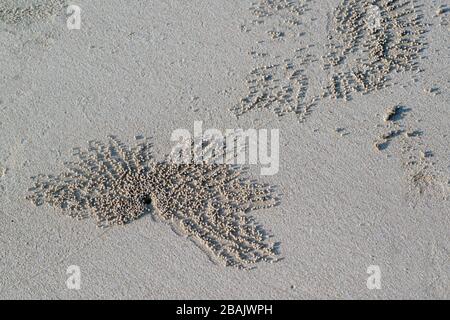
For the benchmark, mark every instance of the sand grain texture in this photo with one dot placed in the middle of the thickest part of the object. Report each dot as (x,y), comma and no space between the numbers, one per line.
(28,11)
(146,68)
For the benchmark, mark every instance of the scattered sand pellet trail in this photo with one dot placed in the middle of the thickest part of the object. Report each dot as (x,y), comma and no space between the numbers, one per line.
(424,174)
(283,15)
(368,42)
(443,13)
(278,83)
(371,40)
(207,202)
(18,11)
(281,87)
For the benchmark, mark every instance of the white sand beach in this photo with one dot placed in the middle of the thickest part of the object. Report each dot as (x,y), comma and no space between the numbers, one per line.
(359,92)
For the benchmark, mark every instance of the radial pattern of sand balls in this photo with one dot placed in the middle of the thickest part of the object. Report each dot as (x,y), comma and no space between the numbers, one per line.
(208,202)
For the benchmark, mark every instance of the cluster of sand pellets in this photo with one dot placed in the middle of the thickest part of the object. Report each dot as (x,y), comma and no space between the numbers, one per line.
(18,11)
(283,15)
(443,14)
(369,40)
(207,202)
(279,84)
(280,87)
(422,174)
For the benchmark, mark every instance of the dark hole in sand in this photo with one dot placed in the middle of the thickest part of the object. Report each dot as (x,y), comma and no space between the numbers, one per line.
(147,200)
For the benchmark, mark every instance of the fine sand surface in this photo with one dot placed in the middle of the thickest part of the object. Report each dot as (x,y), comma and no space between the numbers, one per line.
(360,91)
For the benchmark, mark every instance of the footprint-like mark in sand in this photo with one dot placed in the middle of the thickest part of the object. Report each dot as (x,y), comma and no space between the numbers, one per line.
(423,173)
(369,41)
(209,203)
